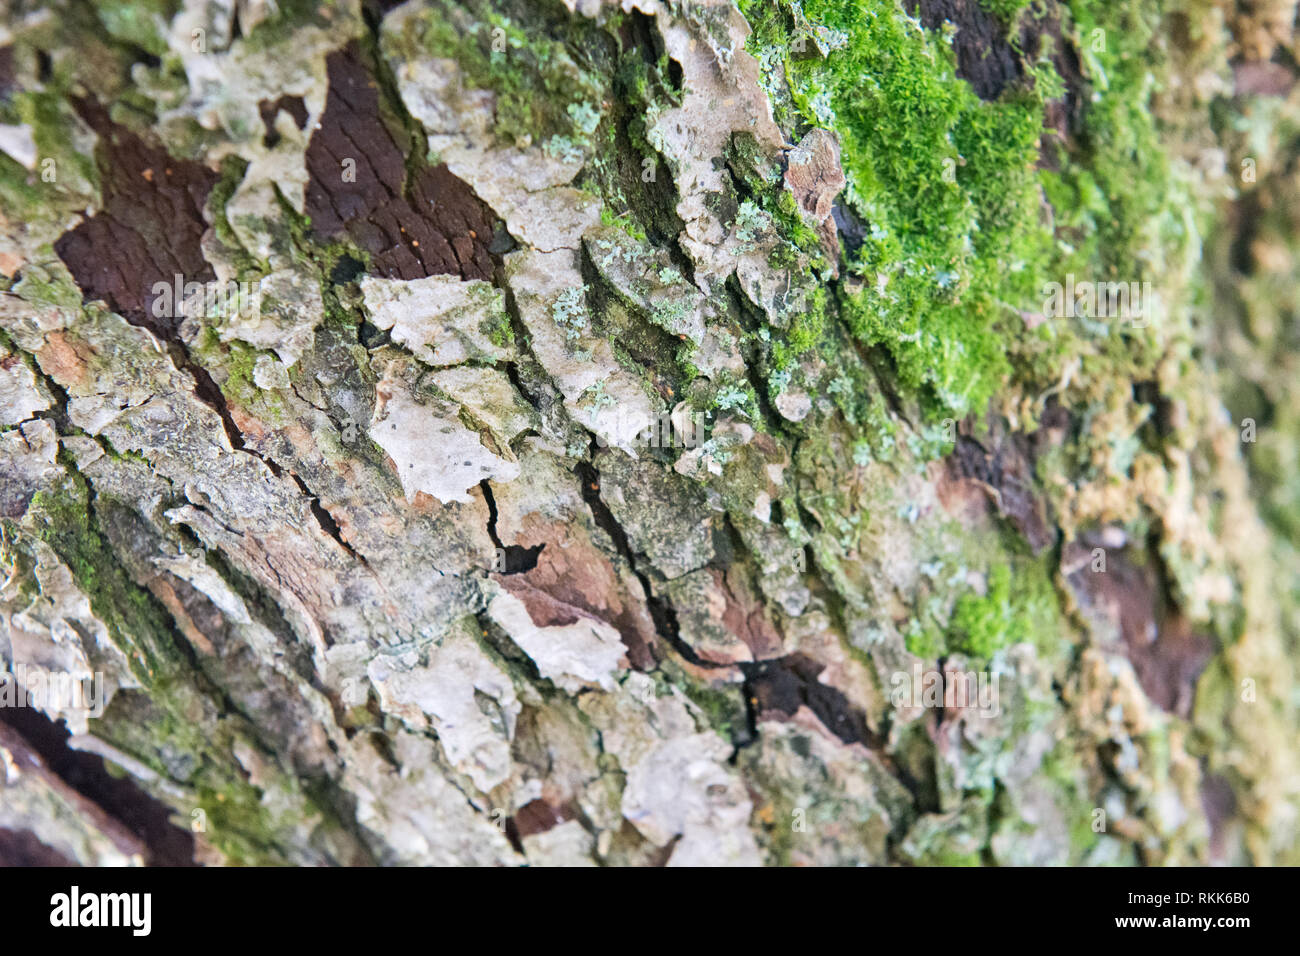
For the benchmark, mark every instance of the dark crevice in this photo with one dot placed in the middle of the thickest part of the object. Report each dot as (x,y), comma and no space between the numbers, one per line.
(985,57)
(44,66)
(324,518)
(538,816)
(881,366)
(496,637)
(1005,471)
(8,76)
(943,688)
(118,796)
(749,699)
(785,684)
(512,373)
(521,340)
(662,613)
(997,813)
(209,392)
(515,559)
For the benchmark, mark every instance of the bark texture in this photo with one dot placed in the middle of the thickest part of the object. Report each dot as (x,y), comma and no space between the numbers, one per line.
(635,432)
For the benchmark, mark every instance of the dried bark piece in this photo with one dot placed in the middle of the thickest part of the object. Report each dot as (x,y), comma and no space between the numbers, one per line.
(1005,473)
(149,229)
(426,223)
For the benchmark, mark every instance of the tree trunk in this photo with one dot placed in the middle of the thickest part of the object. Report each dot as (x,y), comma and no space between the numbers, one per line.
(501,432)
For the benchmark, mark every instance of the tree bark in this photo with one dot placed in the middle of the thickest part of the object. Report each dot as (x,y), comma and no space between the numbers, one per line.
(572,433)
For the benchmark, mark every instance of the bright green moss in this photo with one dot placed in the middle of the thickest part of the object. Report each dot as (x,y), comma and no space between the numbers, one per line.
(926,643)
(943,183)
(499,331)
(956,241)
(1019,604)
(806,330)
(982,624)
(622,221)
(239,368)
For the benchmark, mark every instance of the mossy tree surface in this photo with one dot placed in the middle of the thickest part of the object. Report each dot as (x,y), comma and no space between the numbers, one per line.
(657,434)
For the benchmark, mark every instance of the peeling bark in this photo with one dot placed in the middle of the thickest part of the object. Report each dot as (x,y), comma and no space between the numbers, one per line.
(648,444)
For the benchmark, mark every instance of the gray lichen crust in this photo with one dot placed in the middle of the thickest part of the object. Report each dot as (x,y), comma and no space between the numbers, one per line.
(582,441)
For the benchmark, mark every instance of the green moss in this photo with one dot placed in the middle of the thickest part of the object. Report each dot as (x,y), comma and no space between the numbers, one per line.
(140,23)
(925,642)
(232,174)
(173,719)
(1008,11)
(1019,604)
(543,95)
(238,360)
(723,710)
(806,331)
(949,194)
(286,17)
(770,209)
(943,182)
(61,172)
(982,624)
(1061,768)
(499,330)
(623,221)
(40,286)
(18,190)
(61,517)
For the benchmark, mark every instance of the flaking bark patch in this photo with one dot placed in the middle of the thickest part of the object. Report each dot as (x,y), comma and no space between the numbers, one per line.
(1005,472)
(414,222)
(1131,616)
(150,227)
